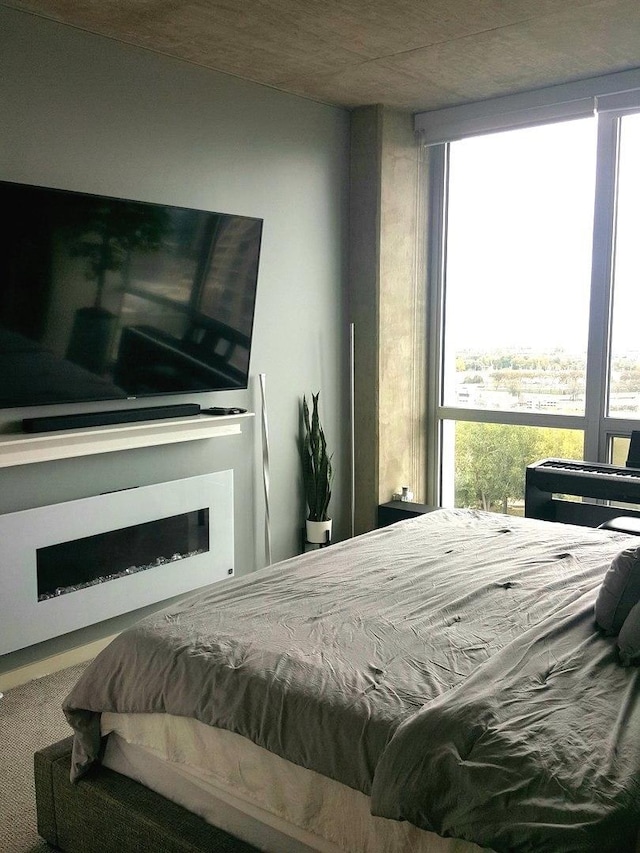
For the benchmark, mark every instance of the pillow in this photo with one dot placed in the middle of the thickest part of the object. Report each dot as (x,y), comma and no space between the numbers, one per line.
(629,638)
(619,592)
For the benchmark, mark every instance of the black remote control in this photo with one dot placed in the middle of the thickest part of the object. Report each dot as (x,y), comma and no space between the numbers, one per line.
(220,410)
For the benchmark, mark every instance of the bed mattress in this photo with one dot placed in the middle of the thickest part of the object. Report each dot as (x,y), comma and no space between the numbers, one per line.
(255,795)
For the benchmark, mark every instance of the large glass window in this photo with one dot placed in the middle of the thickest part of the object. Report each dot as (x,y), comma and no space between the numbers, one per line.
(485,462)
(537,355)
(624,383)
(518,268)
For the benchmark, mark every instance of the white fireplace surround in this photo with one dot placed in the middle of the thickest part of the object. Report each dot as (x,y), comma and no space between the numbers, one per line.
(25,621)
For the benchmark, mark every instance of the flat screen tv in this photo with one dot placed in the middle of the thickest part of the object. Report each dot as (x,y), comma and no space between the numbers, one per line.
(110,299)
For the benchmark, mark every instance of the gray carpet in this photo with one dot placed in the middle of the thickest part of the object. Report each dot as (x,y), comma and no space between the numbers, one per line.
(30,718)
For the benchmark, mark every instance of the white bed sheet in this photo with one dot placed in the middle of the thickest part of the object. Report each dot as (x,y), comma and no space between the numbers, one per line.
(267,801)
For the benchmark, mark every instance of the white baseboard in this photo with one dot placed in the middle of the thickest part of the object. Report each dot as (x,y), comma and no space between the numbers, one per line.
(41,668)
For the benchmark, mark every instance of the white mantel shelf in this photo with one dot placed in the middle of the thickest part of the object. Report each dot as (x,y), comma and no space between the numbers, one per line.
(25,449)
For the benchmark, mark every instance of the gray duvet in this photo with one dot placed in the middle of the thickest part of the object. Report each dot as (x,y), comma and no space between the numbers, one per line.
(447,666)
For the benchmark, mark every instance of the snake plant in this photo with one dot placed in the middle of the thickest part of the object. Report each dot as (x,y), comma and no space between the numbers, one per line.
(317,472)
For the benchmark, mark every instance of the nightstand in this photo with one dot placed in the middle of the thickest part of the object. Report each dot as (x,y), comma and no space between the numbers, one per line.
(397,510)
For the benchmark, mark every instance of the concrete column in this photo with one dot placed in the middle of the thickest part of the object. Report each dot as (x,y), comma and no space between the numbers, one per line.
(387,302)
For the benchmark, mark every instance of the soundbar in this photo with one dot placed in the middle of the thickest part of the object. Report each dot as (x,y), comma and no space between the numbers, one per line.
(123,416)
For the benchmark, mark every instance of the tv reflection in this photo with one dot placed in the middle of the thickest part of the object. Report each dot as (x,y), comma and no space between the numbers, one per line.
(110,299)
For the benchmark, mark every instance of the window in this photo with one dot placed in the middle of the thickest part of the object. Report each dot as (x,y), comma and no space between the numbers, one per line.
(535,303)
(624,364)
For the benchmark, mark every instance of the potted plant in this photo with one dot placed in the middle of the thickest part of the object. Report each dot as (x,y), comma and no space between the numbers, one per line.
(317,474)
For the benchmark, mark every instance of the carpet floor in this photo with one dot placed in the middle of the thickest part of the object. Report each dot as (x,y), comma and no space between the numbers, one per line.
(30,718)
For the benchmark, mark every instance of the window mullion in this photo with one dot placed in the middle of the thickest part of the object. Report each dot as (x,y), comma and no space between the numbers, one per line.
(601,277)
(491,416)
(435,302)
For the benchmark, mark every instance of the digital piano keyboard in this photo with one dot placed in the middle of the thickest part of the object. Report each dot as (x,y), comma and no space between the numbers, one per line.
(586,493)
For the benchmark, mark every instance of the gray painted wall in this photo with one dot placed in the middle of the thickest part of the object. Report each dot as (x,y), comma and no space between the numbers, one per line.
(84,113)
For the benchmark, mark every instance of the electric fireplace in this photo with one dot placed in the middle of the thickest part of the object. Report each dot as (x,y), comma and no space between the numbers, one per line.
(69,565)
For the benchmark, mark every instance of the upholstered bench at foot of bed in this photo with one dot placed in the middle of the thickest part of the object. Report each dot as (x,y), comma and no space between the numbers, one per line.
(108,813)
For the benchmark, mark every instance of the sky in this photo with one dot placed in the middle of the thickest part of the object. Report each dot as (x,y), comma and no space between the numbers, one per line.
(520,233)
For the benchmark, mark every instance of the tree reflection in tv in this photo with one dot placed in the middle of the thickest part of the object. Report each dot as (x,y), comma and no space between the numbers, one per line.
(106,298)
(69,566)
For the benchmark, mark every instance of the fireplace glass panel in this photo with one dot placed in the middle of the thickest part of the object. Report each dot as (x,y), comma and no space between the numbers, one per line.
(80,563)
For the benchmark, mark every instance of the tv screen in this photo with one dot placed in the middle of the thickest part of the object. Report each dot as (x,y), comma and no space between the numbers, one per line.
(109,299)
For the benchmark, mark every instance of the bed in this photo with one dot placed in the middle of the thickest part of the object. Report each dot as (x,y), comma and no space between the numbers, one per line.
(436,686)
(29,371)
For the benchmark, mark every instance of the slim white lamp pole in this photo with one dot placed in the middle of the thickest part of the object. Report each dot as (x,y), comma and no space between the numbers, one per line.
(353,421)
(265,470)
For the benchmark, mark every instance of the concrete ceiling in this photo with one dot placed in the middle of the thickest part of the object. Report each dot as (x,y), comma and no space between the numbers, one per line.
(409,54)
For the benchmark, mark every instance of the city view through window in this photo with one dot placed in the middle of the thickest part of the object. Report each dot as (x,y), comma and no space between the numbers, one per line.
(517,295)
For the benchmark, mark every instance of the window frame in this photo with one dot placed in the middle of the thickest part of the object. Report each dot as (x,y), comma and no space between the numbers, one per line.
(598,427)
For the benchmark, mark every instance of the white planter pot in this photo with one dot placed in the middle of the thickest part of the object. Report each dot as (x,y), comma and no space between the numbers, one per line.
(319,532)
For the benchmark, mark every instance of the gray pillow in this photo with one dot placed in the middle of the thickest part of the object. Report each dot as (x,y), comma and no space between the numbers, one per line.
(619,592)
(629,638)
